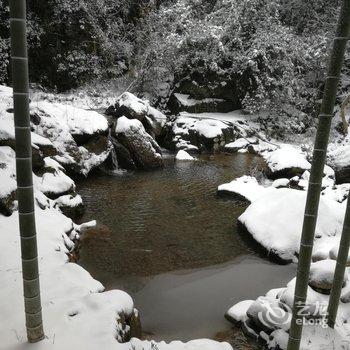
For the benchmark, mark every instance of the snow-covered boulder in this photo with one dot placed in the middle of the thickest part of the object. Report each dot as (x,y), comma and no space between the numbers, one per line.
(41,146)
(244,188)
(322,274)
(183,155)
(144,150)
(238,312)
(240,144)
(71,205)
(275,221)
(201,132)
(80,136)
(132,107)
(286,161)
(279,183)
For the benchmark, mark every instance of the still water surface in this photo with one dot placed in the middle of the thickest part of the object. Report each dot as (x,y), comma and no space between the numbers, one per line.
(167,239)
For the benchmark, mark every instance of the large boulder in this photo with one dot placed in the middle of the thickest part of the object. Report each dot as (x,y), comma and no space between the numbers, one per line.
(79,135)
(275,221)
(200,133)
(131,107)
(144,150)
(286,161)
(41,146)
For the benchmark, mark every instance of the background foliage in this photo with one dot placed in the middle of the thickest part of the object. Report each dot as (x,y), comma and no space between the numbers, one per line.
(260,53)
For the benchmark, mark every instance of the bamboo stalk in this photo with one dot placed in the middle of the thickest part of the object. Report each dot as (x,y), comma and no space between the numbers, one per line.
(25,193)
(317,168)
(342,258)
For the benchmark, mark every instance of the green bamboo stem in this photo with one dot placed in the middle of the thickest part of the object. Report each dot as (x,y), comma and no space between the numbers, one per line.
(317,168)
(25,193)
(343,253)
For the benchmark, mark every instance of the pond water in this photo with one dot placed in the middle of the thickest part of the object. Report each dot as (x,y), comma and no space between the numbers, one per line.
(167,239)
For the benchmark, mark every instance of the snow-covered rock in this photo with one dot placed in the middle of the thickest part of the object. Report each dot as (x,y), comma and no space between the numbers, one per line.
(80,136)
(132,107)
(275,221)
(272,314)
(245,187)
(183,155)
(283,182)
(322,274)
(41,147)
(204,132)
(71,205)
(144,150)
(286,161)
(238,312)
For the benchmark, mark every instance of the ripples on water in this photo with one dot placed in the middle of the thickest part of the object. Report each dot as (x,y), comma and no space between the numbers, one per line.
(163,220)
(161,234)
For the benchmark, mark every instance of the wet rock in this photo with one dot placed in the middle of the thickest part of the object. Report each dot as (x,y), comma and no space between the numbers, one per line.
(248,329)
(120,158)
(135,325)
(129,326)
(144,150)
(70,205)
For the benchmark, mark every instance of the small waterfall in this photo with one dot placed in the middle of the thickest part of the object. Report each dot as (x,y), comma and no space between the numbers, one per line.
(114,160)
(111,165)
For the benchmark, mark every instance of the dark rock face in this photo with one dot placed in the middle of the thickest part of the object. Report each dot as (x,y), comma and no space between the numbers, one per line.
(342,175)
(284,173)
(215,93)
(123,156)
(144,150)
(129,326)
(7,204)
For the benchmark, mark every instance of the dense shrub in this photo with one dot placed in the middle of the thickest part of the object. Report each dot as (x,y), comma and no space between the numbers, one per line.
(259,54)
